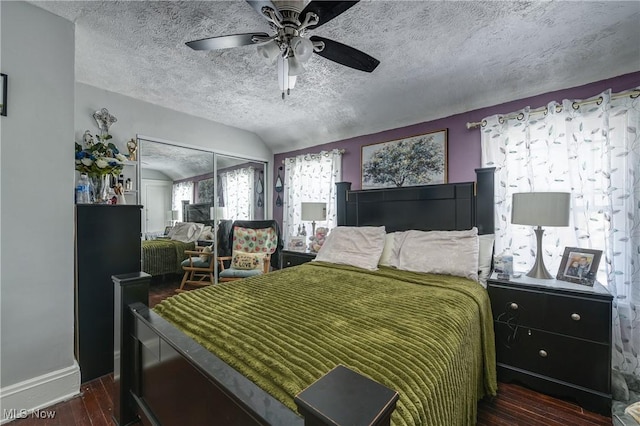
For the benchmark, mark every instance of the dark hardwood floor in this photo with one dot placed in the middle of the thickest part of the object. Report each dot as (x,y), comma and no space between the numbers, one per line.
(514,405)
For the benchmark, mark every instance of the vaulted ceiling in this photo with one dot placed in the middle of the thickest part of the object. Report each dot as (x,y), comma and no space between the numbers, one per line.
(438,58)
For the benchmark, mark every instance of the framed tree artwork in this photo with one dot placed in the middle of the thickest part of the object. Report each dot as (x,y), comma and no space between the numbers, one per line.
(412,161)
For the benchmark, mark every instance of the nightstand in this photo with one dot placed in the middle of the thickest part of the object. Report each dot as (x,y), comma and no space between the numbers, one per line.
(554,337)
(294,258)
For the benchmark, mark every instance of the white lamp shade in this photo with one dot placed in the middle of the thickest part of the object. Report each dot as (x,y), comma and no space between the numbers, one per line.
(302,48)
(314,211)
(541,208)
(269,51)
(216,213)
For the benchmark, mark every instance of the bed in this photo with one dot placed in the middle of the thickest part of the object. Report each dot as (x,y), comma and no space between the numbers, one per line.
(439,356)
(163,256)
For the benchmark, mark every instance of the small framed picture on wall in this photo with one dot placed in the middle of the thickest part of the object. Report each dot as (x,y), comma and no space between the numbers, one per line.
(579,265)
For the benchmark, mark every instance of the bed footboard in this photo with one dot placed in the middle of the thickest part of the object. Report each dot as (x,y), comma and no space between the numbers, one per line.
(164,377)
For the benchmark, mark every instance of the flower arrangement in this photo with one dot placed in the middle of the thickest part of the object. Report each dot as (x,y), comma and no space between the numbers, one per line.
(99,158)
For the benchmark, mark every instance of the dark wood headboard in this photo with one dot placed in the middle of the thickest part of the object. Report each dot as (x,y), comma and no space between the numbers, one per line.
(444,207)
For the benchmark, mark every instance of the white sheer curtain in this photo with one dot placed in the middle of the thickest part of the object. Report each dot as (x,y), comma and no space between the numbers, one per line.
(310,178)
(591,150)
(181,191)
(237,193)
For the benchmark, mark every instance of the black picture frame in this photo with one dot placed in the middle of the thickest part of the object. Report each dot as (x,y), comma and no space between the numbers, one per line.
(3,95)
(579,265)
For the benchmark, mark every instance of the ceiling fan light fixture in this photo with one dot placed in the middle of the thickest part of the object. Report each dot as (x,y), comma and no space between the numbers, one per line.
(290,47)
(302,48)
(269,51)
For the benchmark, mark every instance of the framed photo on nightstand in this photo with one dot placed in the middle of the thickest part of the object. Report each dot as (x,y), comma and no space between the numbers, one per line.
(579,265)
(297,243)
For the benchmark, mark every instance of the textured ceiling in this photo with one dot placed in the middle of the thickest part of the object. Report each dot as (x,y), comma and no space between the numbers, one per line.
(438,58)
(179,162)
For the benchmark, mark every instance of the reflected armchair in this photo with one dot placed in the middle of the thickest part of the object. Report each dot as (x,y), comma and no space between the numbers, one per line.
(255,248)
(198,268)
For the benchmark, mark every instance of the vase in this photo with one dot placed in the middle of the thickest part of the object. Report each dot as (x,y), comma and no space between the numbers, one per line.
(100,186)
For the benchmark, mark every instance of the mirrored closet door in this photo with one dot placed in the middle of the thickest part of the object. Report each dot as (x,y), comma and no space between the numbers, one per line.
(182,184)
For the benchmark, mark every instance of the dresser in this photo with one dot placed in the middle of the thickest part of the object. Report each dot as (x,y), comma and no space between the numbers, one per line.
(107,243)
(293,258)
(554,337)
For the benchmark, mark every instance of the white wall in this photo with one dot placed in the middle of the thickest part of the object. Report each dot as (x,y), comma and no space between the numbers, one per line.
(36,209)
(160,123)
(47,111)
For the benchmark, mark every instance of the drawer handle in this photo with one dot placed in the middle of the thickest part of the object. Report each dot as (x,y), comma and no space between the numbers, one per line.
(575,317)
(542,353)
(514,306)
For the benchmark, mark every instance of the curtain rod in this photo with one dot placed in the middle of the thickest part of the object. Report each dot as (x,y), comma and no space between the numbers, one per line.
(634,93)
(341,151)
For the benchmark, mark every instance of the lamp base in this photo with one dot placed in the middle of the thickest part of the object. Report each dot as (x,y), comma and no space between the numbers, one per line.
(539,271)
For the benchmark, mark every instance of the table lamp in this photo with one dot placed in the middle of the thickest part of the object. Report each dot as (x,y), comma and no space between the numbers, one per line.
(216,213)
(540,209)
(173,214)
(312,212)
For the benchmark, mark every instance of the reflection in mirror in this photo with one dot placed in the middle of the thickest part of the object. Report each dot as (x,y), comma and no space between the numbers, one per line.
(170,187)
(178,185)
(240,188)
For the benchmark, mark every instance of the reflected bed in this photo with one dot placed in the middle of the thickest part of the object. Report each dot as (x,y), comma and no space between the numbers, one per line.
(163,256)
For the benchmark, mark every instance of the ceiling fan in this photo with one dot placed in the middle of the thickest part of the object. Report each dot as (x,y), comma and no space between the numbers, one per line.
(290,46)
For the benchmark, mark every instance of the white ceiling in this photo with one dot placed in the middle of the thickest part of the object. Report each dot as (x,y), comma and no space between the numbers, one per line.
(438,58)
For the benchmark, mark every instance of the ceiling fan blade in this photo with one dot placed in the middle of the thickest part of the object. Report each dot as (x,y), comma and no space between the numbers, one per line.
(259,4)
(224,42)
(346,55)
(326,10)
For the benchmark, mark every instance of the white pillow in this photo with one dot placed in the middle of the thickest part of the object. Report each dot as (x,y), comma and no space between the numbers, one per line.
(205,233)
(440,252)
(186,232)
(387,251)
(356,246)
(392,243)
(485,254)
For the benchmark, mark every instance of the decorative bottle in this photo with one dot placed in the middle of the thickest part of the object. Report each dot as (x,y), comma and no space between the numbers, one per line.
(82,190)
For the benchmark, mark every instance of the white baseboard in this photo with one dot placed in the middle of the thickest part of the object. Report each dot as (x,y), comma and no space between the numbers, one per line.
(28,398)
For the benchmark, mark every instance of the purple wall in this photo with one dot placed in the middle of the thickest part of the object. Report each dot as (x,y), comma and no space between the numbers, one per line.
(463,143)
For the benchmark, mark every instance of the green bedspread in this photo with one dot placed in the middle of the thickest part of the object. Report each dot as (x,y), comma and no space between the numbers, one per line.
(430,337)
(164,256)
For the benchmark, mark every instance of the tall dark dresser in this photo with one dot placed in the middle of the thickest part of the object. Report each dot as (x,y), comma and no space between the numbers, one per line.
(107,242)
